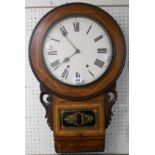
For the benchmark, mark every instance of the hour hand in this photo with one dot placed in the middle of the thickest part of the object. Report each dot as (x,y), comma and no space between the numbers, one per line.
(68,58)
(57,64)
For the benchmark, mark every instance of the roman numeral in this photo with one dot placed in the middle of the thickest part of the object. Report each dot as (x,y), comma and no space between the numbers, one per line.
(91,73)
(63,30)
(55,64)
(65,73)
(52,53)
(89,29)
(77,75)
(99,63)
(98,38)
(76,26)
(102,50)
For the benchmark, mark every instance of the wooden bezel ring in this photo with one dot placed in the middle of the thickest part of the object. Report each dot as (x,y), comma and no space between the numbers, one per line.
(83,92)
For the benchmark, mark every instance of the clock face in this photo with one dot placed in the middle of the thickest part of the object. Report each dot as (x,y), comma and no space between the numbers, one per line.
(77,51)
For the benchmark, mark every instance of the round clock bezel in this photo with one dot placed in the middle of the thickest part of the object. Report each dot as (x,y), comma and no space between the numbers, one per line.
(83,16)
(98,86)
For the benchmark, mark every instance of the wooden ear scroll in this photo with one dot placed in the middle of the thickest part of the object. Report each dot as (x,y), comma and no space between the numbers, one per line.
(47,104)
(110,99)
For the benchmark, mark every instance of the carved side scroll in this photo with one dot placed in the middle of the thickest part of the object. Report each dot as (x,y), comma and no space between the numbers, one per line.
(110,99)
(46,101)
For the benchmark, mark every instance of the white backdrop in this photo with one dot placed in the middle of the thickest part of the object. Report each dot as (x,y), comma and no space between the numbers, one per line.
(39,138)
(58,2)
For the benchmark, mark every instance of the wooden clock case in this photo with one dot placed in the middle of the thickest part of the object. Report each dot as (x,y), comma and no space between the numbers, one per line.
(78,105)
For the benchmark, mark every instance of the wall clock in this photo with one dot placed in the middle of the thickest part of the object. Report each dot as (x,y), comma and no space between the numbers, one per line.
(77,52)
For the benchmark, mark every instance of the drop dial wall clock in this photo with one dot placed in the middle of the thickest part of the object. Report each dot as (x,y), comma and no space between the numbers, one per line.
(77,52)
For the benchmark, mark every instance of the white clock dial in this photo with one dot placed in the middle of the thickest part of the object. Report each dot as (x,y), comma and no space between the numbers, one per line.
(77,51)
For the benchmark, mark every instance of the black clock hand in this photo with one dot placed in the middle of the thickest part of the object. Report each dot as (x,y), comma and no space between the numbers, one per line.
(70,42)
(65,33)
(68,58)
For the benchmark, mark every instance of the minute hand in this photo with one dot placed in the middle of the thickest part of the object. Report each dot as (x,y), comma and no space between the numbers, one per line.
(71,43)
